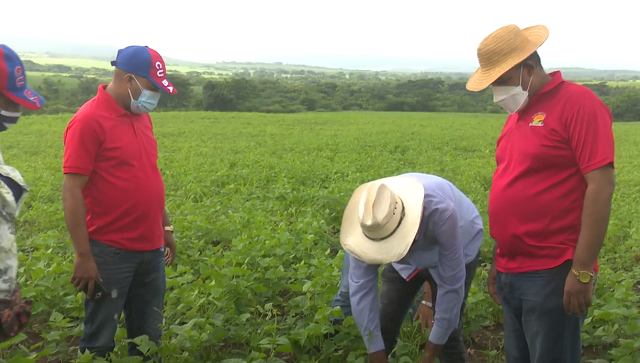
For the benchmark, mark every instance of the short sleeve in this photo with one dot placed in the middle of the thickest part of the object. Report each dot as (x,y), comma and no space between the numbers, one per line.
(82,141)
(590,132)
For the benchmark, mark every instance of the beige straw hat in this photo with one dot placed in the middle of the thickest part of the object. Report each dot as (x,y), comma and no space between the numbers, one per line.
(382,219)
(504,49)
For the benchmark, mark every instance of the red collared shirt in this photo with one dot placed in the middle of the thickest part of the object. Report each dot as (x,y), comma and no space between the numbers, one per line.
(538,189)
(124,195)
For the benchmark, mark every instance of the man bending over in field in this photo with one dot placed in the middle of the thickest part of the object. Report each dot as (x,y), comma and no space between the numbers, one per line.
(114,204)
(425,230)
(14,93)
(550,198)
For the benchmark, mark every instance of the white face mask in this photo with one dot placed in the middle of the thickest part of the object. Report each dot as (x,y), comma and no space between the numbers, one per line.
(511,98)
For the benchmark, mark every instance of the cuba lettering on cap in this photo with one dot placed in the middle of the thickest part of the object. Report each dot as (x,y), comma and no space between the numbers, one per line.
(13,80)
(145,62)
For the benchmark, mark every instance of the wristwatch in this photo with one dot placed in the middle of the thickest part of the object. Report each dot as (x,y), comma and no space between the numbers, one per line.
(583,276)
(168,228)
(427,303)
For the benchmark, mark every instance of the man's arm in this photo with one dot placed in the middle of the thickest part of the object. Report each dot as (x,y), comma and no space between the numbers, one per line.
(363,293)
(449,277)
(82,140)
(165,218)
(75,213)
(595,217)
(427,296)
(590,134)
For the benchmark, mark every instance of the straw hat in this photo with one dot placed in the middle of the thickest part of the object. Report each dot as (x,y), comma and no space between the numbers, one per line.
(504,49)
(382,219)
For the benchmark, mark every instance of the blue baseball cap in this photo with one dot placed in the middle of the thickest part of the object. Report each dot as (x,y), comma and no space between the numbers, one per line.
(145,62)
(13,80)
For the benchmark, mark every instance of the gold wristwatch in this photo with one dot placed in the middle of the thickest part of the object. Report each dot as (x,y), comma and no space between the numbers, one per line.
(583,276)
(168,228)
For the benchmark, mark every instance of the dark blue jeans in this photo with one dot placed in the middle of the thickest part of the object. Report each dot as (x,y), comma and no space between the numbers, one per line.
(536,327)
(135,283)
(398,294)
(342,299)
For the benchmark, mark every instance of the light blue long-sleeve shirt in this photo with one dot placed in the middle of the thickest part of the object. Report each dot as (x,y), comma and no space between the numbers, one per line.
(449,237)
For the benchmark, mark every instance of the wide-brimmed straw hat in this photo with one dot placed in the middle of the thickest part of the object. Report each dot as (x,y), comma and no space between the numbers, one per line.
(504,49)
(382,219)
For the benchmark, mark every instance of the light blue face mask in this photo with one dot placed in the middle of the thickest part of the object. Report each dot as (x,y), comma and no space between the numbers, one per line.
(147,101)
(8,119)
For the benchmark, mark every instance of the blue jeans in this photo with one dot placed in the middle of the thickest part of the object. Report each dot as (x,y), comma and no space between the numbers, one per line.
(342,300)
(536,327)
(135,283)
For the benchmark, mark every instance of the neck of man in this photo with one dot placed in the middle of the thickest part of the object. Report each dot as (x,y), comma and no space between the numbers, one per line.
(544,80)
(112,91)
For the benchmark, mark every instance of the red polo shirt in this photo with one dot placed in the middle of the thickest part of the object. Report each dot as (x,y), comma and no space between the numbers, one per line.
(124,195)
(536,199)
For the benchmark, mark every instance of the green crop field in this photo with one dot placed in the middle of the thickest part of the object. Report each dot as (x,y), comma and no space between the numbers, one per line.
(617,83)
(35,79)
(624,83)
(256,201)
(91,63)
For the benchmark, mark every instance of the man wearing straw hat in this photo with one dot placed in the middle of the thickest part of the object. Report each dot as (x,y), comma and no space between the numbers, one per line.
(550,198)
(425,230)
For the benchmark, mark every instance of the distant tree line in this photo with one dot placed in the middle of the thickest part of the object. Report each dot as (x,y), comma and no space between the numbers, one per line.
(306,91)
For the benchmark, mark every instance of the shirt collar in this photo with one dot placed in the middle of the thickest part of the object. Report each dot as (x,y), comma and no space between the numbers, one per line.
(556,79)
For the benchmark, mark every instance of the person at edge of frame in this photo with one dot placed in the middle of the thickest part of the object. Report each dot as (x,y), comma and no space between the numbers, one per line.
(15,312)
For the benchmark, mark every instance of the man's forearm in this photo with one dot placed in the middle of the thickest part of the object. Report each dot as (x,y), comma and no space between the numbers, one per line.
(165,218)
(595,222)
(428,296)
(75,214)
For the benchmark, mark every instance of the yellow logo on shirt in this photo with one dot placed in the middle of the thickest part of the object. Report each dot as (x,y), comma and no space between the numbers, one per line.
(538,119)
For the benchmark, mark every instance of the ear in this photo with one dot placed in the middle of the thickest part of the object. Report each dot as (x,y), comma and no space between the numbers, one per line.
(529,68)
(129,79)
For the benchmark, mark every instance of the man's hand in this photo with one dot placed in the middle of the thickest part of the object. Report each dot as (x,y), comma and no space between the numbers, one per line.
(169,248)
(577,295)
(85,273)
(428,358)
(431,352)
(492,280)
(378,357)
(426,316)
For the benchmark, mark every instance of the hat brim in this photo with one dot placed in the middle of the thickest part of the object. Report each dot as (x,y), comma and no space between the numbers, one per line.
(35,102)
(396,246)
(167,89)
(481,79)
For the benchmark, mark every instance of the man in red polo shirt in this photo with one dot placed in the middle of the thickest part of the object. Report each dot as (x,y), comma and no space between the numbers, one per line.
(114,204)
(550,198)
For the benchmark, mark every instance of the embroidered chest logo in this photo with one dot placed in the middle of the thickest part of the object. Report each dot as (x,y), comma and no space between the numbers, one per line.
(538,119)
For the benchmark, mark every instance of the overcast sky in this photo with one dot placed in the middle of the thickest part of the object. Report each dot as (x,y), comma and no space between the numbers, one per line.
(242,30)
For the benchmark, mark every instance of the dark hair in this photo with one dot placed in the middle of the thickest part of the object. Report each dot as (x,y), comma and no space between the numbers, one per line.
(534,58)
